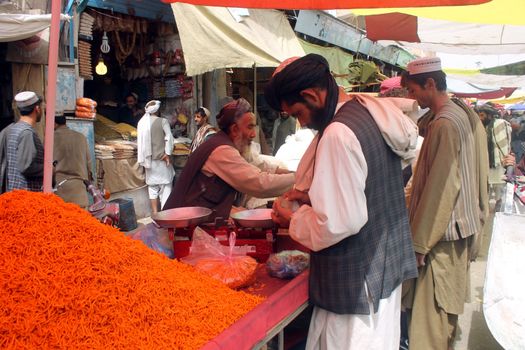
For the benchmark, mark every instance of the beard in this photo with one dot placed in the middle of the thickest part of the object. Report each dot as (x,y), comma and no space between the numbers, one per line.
(242,144)
(318,120)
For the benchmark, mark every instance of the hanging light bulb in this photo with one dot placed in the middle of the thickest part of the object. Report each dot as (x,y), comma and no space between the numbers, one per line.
(101,68)
(105,45)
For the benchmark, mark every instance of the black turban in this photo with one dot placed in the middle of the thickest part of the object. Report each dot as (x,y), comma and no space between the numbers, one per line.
(310,71)
(231,112)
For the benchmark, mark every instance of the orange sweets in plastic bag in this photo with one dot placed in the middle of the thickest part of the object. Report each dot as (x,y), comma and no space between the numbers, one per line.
(230,265)
(236,271)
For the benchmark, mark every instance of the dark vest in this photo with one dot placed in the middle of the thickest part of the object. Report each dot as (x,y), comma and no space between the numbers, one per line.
(381,253)
(158,139)
(195,189)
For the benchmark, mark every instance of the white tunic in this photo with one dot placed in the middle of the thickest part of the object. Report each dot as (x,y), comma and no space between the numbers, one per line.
(159,173)
(338,188)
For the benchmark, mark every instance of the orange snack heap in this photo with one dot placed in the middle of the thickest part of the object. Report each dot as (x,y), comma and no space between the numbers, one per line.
(67,281)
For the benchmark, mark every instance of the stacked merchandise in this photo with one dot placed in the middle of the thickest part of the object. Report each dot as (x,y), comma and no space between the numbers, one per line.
(157,90)
(116,150)
(84,47)
(103,152)
(86,108)
(124,151)
(174,88)
(86,26)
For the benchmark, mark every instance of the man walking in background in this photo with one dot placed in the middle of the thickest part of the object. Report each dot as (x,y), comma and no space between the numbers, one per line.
(21,151)
(73,163)
(154,148)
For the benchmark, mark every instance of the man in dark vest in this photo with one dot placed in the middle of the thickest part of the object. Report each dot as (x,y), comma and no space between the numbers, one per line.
(352,214)
(216,171)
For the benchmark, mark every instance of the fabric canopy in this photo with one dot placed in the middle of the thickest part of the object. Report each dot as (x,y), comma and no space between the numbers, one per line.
(493,12)
(15,27)
(489,79)
(516,97)
(458,88)
(493,28)
(337,59)
(212,38)
(445,36)
(329,4)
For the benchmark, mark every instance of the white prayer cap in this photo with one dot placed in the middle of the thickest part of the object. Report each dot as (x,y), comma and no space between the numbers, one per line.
(206,111)
(152,106)
(424,65)
(26,98)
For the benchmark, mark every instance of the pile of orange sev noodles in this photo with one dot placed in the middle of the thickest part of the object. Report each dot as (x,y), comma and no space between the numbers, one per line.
(67,281)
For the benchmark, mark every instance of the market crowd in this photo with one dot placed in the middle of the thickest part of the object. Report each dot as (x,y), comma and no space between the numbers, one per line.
(378,247)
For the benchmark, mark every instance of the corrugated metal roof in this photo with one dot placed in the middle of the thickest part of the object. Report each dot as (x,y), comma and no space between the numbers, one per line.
(151,9)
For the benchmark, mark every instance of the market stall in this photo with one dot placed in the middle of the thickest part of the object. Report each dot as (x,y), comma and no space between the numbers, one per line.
(174,231)
(124,62)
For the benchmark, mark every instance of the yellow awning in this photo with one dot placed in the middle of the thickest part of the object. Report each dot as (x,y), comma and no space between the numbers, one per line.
(516,97)
(493,12)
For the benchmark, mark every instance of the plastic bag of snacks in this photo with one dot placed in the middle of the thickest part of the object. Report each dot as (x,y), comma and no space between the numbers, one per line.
(287,264)
(155,239)
(230,265)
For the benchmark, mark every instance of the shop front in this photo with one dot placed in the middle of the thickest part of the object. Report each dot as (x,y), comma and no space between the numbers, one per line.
(124,61)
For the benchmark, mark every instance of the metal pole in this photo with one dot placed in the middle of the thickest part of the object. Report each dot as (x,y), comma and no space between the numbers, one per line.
(255,88)
(54,33)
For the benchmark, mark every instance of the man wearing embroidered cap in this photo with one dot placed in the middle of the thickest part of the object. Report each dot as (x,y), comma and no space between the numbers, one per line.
(21,151)
(449,196)
(154,148)
(202,120)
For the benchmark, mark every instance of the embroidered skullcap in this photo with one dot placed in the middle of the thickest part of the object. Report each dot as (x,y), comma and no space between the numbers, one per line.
(231,112)
(26,98)
(424,65)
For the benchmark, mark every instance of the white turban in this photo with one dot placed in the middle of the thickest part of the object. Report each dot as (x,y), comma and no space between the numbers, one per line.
(152,106)
(143,134)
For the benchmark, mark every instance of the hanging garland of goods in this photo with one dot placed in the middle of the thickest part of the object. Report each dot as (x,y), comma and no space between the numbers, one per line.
(69,281)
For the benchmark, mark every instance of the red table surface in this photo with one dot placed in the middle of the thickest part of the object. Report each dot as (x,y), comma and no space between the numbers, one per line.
(283,297)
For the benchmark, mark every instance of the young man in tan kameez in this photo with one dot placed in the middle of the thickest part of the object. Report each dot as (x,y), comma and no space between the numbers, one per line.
(446,210)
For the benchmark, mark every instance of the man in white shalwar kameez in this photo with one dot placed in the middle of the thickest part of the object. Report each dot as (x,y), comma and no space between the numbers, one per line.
(352,212)
(154,147)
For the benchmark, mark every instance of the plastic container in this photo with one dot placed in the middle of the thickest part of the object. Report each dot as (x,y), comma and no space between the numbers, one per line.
(128,219)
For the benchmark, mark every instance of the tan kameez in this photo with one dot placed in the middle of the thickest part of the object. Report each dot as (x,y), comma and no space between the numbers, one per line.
(439,293)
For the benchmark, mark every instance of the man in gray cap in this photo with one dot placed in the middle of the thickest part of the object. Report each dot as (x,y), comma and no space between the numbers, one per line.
(21,151)
(447,208)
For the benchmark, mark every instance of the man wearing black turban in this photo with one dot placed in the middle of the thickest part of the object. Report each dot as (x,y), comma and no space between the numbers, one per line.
(216,172)
(353,215)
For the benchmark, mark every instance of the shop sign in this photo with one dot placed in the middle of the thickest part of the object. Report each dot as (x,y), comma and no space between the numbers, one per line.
(324,27)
